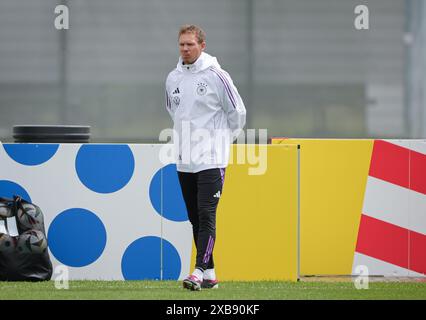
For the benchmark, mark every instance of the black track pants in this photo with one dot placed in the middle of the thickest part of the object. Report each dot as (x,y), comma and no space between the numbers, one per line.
(201,192)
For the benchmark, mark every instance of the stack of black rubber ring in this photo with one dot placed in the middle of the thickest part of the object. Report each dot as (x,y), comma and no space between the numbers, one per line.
(51,134)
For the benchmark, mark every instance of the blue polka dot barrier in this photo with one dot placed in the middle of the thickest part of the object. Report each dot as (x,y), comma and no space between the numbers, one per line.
(8,189)
(112,211)
(142,260)
(31,154)
(166,195)
(105,168)
(77,237)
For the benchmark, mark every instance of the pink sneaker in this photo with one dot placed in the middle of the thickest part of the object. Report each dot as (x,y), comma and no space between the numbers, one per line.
(192,283)
(210,284)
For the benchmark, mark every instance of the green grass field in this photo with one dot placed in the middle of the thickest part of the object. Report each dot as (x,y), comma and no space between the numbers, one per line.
(172,290)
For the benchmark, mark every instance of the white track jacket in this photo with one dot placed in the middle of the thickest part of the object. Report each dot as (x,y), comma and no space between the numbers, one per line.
(207,111)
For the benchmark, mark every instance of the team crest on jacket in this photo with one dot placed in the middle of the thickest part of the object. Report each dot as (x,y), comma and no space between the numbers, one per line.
(176,100)
(201,89)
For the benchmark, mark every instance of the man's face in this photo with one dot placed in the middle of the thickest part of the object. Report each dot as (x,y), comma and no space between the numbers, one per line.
(189,47)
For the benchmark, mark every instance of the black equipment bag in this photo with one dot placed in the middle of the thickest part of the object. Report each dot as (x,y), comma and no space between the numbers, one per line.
(23,252)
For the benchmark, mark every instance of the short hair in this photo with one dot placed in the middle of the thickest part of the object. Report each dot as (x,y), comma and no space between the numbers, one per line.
(192,28)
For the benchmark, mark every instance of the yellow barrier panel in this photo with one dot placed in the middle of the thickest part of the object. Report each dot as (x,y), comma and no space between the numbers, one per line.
(257,218)
(333,179)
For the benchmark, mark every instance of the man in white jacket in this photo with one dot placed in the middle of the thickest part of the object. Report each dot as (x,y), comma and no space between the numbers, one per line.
(208,113)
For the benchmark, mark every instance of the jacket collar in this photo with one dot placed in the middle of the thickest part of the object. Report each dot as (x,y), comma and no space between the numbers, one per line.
(203,62)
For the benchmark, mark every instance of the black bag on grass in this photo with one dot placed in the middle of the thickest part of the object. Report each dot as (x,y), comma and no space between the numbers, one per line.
(23,243)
